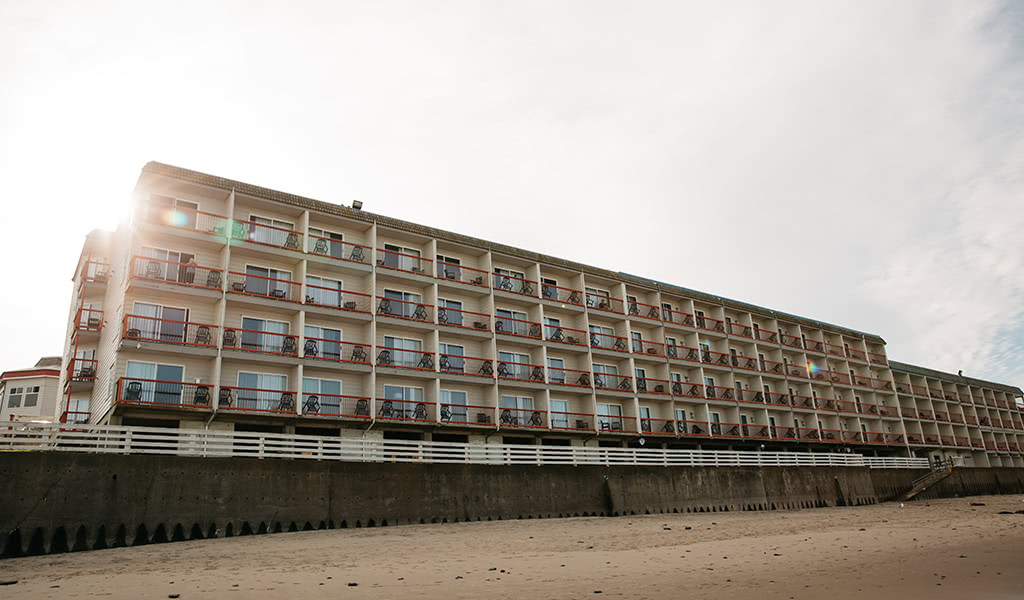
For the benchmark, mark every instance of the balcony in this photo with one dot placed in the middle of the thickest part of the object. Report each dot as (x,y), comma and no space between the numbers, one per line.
(616,423)
(678,318)
(776,399)
(572,421)
(750,396)
(87,321)
(877,359)
(925,413)
(941,416)
(569,377)
(709,324)
(265,287)
(405,263)
(166,271)
(467,414)
(718,391)
(458,273)
(694,428)
(971,419)
(739,330)
(455,317)
(726,430)
(521,417)
(857,354)
(763,335)
(325,297)
(515,285)
(720,359)
(772,367)
(418,360)
(74,417)
(170,394)
(919,390)
(516,371)
(648,348)
(649,385)
(189,219)
(404,309)
(262,342)
(645,311)
(791,341)
(266,235)
(852,436)
(862,381)
(405,410)
(561,294)
(687,390)
(602,302)
(457,364)
(814,345)
(682,353)
(755,431)
(517,327)
(795,370)
(657,426)
(914,438)
(565,335)
(607,341)
(881,384)
(336,350)
(977,443)
(94,272)
(256,400)
(335,405)
(835,350)
(839,377)
(337,249)
(990,444)
(745,362)
(799,401)
(81,370)
(612,381)
(963,442)
(169,331)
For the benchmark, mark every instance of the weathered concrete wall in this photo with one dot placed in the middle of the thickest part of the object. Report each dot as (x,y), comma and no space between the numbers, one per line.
(966,481)
(68,501)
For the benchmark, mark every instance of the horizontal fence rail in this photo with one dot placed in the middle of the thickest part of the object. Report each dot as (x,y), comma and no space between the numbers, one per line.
(206,443)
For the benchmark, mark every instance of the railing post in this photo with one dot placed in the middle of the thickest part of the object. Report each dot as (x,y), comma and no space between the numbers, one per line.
(262,445)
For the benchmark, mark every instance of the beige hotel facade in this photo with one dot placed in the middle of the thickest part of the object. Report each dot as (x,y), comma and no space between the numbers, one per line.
(227,306)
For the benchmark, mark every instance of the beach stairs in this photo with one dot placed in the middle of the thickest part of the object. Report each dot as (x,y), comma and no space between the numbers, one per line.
(925,481)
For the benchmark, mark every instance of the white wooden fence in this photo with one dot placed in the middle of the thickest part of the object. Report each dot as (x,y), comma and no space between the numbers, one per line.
(198,442)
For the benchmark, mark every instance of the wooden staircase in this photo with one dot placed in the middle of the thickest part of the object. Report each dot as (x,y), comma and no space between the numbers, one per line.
(922,483)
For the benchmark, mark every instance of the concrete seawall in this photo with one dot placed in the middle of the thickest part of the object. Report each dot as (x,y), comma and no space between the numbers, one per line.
(56,502)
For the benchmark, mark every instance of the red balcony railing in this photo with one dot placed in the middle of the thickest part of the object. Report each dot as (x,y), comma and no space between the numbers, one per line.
(971,419)
(565,335)
(94,271)
(612,381)
(646,311)
(985,421)
(800,401)
(931,438)
(776,399)
(677,317)
(465,365)
(153,392)
(709,324)
(335,405)
(88,319)
(188,274)
(456,317)
(827,403)
(780,432)
(647,347)
(608,341)
(847,406)
(467,414)
(729,430)
(977,443)
(839,377)
(711,357)
(404,309)
(814,345)
(518,371)
(756,431)
(318,295)
(941,416)
(763,335)
(339,249)
(687,390)
(573,421)
(683,353)
(420,360)
(1001,446)
(809,434)
(169,331)
(266,342)
(856,354)
(82,369)
(881,384)
(407,263)
(616,423)
(187,218)
(693,428)
(771,366)
(657,426)
(795,370)
(256,400)
(521,417)
(405,410)
(651,385)
(73,417)
(790,340)
(337,350)
(835,350)
(878,359)
(893,438)
(852,436)
(515,285)
(925,413)
(865,408)
(947,440)
(919,390)
(914,438)
(745,362)
(267,287)
(602,302)
(570,377)
(740,330)
(463,274)
(749,395)
(862,381)
(950,396)
(561,294)
(719,391)
(990,444)
(266,235)
(519,327)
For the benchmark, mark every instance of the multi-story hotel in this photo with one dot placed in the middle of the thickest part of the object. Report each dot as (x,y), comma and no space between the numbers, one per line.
(224,305)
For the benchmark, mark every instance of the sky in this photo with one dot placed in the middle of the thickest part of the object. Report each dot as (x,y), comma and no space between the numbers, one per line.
(858,163)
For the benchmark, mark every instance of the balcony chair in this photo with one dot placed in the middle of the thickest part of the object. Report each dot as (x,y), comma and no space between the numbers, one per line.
(688,320)
(499,325)
(384,307)
(225,398)
(213,279)
(201,397)
(320,246)
(759,397)
(444,364)
(595,341)
(292,241)
(574,298)
(641,385)
(349,305)
(505,284)
(526,288)
(653,313)
(480,325)
(581,424)
(387,409)
(358,354)
(598,381)
(133,332)
(710,392)
(290,345)
(671,352)
(442,315)
(420,412)
(133,391)
(719,326)
(87,371)
(506,418)
(483,417)
(311,299)
(557,336)
(722,360)
(357,254)
(420,314)
(634,309)
(677,388)
(279,293)
(694,390)
(426,362)
(626,384)
(503,370)
(478,280)
(310,349)
(486,369)
(668,427)
(547,291)
(573,340)
(362,408)
(705,356)
(203,337)
(384,358)
(446,413)
(537,374)
(286,403)
(645,425)
(535,420)
(153,270)
(534,331)
(584,379)
(311,406)
(238,286)
(691,355)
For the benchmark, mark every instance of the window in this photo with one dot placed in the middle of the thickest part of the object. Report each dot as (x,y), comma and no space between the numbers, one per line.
(327,393)
(549,288)
(159,323)
(509,280)
(31,396)
(449,267)
(556,370)
(597,297)
(631,301)
(173,211)
(602,337)
(153,383)
(263,335)
(404,305)
(640,373)
(605,375)
(14,397)
(680,415)
(325,291)
(168,265)
(552,325)
(264,281)
(402,258)
(609,417)
(328,341)
(267,230)
(510,321)
(406,397)
(514,365)
(514,409)
(326,242)
(666,311)
(456,402)
(560,413)
(452,360)
(261,391)
(449,311)
(638,341)
(405,352)
(716,423)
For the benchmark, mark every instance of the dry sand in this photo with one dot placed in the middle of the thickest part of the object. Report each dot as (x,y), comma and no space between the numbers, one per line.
(935,549)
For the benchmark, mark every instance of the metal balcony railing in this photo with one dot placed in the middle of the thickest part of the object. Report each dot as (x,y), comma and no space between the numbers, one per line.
(561,294)
(518,371)
(456,317)
(187,274)
(515,285)
(458,364)
(404,309)
(645,311)
(153,392)
(338,249)
(565,335)
(405,410)
(335,405)
(461,273)
(267,287)
(602,302)
(518,327)
(256,400)
(186,218)
(608,341)
(336,350)
(251,340)
(317,295)
(169,331)
(266,235)
(408,263)
(420,360)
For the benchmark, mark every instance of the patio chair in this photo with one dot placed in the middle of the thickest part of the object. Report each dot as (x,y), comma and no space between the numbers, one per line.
(645,425)
(653,313)
(526,288)
(537,374)
(547,291)
(310,349)
(672,352)
(358,354)
(213,279)
(286,403)
(626,384)
(595,340)
(506,418)
(320,246)
(426,362)
(557,336)
(420,313)
(668,427)
(534,330)
(444,364)
(203,335)
(384,358)
(278,293)
(133,391)
(503,370)
(153,270)
(478,280)
(384,307)
(641,385)
(573,340)
(535,420)
(581,424)
(238,286)
(133,332)
(290,345)
(362,408)
(201,397)
(225,398)
(574,298)
(292,241)
(387,409)
(598,381)
(584,379)
(357,254)
(486,369)
(634,309)
(442,315)
(677,388)
(420,412)
(311,406)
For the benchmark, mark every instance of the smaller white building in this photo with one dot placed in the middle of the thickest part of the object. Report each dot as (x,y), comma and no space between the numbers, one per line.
(31,392)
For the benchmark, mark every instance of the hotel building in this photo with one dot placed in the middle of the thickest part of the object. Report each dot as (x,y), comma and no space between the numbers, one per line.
(224,305)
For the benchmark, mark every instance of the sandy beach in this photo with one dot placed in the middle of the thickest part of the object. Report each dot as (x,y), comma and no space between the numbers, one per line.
(941,548)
